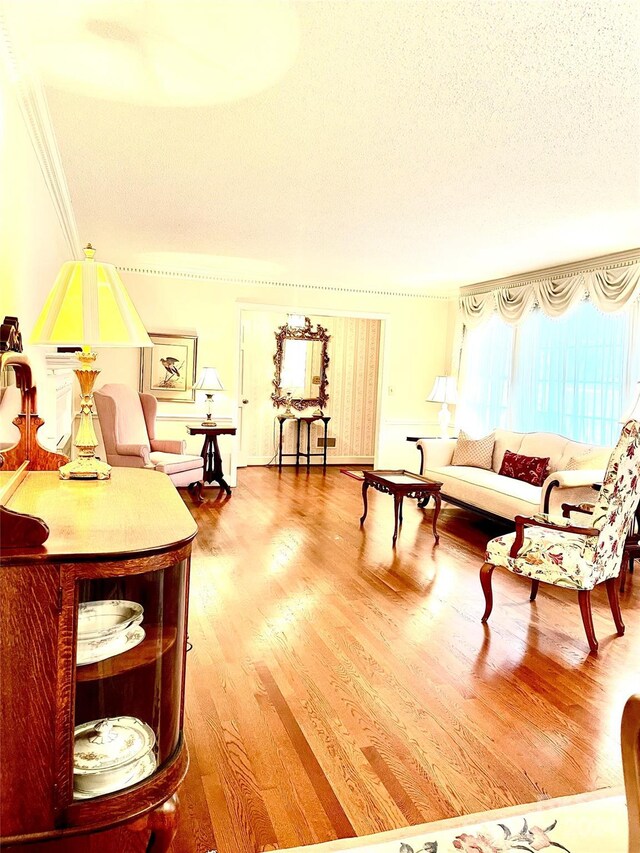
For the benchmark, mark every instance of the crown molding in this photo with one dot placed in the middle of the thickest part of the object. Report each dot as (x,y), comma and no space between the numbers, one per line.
(35,112)
(295,285)
(616,259)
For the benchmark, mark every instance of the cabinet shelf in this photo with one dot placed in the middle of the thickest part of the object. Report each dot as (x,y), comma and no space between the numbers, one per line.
(156,643)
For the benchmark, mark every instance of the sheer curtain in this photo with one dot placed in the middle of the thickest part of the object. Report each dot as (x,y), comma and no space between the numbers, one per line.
(487,354)
(571,375)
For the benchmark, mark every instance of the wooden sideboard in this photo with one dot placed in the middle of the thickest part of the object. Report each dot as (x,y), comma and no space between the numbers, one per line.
(124,538)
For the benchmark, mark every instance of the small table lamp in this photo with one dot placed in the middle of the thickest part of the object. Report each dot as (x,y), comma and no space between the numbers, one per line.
(209,381)
(88,307)
(444,391)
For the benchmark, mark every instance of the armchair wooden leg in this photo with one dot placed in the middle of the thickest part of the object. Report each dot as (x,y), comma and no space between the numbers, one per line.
(485,579)
(534,589)
(584,600)
(614,604)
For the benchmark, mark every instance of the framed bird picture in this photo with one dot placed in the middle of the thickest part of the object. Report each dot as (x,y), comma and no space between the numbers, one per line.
(168,370)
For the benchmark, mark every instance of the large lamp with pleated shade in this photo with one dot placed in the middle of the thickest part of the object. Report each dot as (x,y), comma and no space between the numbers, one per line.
(88,307)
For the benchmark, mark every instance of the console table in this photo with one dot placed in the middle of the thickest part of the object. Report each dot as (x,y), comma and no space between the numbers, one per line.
(306,454)
(211,453)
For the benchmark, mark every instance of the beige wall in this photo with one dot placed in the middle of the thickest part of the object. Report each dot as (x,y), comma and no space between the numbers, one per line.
(417,335)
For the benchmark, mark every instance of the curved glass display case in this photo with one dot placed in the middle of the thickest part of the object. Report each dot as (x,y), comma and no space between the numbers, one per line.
(92,660)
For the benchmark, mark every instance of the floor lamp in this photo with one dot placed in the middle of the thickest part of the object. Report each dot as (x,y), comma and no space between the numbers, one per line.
(88,307)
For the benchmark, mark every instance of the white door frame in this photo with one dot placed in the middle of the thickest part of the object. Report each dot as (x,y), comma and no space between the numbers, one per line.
(291,308)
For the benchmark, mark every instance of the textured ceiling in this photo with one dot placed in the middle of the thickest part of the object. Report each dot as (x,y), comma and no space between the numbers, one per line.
(383,144)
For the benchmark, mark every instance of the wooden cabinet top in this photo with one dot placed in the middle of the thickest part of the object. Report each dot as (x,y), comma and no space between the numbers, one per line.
(136,511)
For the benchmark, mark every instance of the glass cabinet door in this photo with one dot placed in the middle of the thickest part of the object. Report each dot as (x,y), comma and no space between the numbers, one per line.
(129,677)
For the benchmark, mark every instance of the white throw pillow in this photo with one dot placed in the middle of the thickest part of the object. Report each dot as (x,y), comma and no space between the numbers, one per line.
(474,453)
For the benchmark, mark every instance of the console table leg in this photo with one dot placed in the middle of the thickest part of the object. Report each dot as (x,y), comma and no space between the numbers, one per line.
(365,503)
(324,455)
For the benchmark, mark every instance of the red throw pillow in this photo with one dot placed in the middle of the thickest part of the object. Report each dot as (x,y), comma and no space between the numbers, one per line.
(529,469)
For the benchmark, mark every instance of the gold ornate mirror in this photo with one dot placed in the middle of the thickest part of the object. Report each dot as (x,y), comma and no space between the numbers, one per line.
(301,362)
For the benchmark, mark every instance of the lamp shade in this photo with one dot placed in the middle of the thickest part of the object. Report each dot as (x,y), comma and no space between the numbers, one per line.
(89,305)
(444,390)
(208,380)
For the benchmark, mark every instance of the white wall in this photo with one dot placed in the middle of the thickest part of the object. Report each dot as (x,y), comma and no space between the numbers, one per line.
(416,346)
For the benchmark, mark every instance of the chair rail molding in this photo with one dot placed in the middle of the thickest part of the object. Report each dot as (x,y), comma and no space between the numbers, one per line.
(35,112)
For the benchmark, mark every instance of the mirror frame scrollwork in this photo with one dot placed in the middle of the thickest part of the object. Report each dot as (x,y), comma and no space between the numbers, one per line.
(304,333)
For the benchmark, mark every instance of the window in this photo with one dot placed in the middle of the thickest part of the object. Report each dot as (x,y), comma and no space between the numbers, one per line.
(569,375)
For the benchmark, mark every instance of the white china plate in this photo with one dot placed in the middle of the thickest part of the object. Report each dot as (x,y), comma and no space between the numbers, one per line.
(93,651)
(100,619)
(145,767)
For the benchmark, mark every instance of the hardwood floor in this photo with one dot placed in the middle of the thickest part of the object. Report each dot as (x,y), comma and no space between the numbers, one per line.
(337,687)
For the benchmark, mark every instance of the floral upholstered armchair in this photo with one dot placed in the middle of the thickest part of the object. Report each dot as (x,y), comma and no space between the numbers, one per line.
(557,552)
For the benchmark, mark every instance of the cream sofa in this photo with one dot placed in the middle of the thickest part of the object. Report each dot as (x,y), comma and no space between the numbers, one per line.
(492,494)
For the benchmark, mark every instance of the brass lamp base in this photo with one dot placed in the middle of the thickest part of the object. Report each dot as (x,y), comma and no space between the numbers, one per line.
(209,423)
(85,468)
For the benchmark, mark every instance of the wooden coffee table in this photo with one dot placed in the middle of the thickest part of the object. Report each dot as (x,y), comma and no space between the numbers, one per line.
(401,484)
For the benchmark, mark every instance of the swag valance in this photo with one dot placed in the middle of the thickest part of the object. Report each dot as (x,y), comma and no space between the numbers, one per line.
(609,289)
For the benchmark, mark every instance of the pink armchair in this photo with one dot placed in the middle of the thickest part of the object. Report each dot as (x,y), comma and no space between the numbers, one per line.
(128,426)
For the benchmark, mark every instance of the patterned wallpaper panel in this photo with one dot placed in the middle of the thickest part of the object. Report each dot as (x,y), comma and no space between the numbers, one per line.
(353,387)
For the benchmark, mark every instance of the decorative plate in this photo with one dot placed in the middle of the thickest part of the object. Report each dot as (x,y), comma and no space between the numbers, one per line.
(99,619)
(92,651)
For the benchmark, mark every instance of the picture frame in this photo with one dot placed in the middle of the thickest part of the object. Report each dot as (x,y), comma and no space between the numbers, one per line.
(168,370)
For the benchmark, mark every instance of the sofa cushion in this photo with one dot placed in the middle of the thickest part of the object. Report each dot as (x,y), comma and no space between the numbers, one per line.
(529,469)
(476,453)
(558,448)
(487,490)
(505,440)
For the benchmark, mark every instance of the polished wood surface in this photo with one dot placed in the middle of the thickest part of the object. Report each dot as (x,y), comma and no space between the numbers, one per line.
(28,423)
(105,543)
(337,688)
(102,517)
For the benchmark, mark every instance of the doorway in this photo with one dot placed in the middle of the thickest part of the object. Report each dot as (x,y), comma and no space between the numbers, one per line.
(353,373)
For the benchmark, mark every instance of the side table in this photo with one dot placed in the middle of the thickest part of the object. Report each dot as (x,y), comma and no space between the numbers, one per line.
(211,453)
(400,484)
